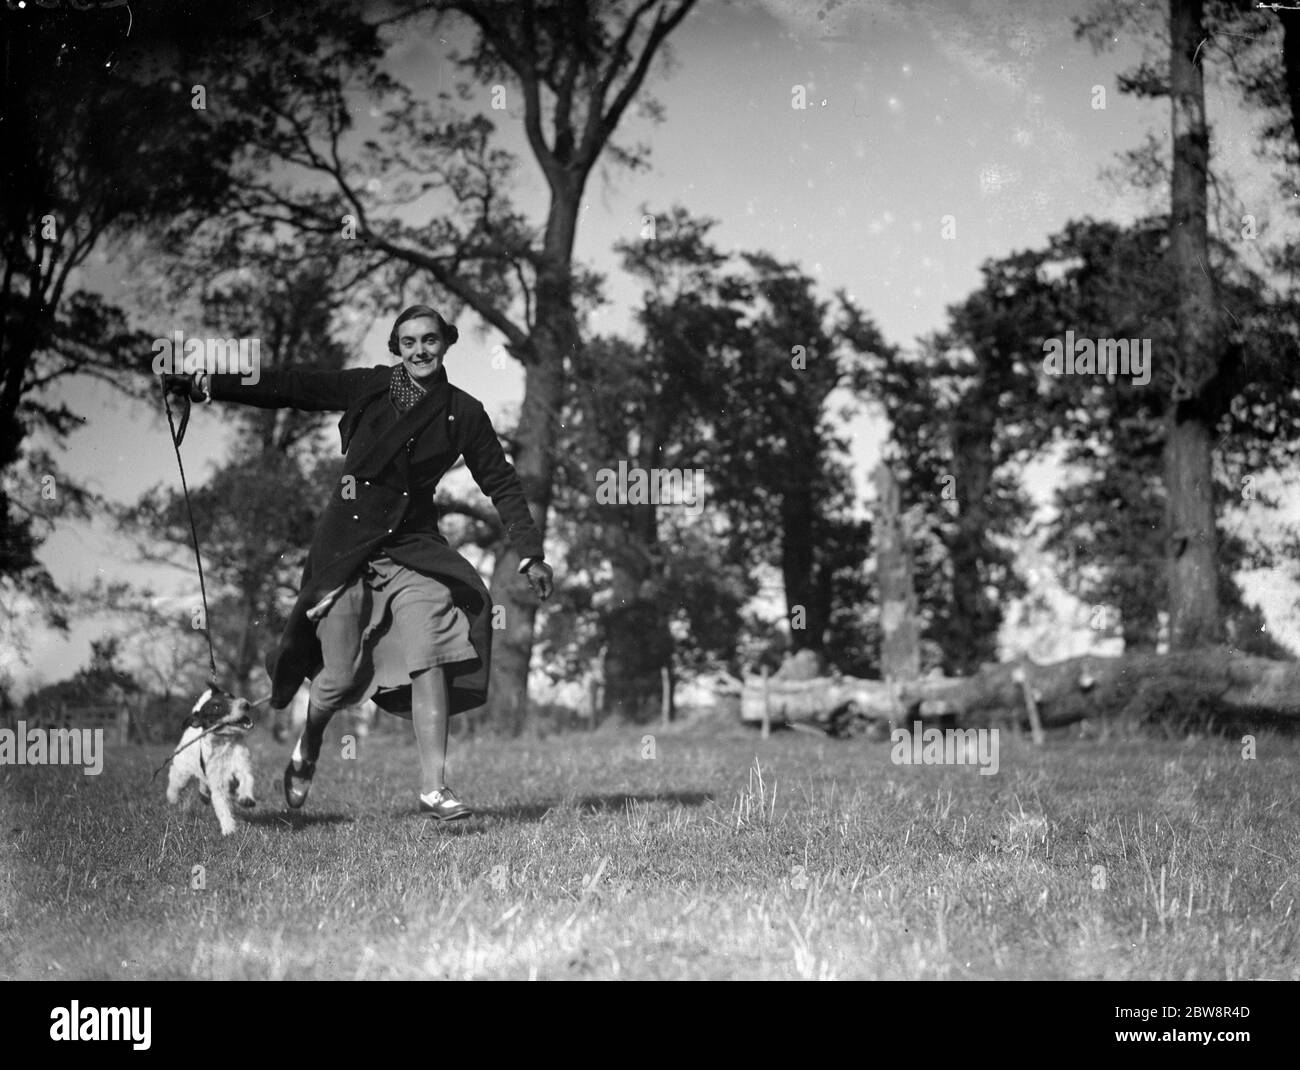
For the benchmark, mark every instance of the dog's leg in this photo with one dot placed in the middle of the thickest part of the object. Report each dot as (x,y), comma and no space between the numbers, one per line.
(177,777)
(221,807)
(242,781)
(185,765)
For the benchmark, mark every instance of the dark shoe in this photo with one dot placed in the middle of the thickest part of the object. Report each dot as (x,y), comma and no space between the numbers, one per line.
(443,805)
(297,782)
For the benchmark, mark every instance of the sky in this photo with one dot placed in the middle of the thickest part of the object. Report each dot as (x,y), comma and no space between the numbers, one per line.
(978,114)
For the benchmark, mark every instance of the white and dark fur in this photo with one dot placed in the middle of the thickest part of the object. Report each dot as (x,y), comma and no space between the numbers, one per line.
(219,761)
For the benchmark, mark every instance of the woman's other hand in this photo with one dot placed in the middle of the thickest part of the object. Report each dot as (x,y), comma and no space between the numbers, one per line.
(541,579)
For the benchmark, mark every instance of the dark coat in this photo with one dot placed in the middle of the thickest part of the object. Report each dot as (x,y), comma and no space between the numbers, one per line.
(392,466)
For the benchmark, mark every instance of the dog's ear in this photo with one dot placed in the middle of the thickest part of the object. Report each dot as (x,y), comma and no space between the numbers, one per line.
(209,709)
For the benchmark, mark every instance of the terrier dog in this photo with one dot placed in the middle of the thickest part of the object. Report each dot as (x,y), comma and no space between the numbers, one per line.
(212,751)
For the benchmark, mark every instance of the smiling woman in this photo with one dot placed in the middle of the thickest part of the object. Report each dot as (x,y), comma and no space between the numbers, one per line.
(386,608)
(421,337)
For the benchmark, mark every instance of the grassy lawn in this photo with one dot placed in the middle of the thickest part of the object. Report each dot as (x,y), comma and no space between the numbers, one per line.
(723,856)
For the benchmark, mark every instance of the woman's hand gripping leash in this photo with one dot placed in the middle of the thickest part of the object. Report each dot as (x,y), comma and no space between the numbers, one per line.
(184,389)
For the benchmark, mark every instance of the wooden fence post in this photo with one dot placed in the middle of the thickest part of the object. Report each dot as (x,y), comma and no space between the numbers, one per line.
(1035,721)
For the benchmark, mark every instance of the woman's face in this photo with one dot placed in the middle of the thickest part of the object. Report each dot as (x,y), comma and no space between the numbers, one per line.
(421,347)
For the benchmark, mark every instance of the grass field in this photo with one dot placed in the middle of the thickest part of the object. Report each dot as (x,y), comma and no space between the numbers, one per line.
(723,856)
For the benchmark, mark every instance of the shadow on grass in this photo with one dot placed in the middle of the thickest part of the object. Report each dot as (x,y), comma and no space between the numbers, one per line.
(288,821)
(594,804)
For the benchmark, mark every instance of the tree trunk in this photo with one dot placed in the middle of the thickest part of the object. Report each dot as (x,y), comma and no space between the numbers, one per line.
(900,651)
(973,619)
(1290,20)
(1139,624)
(807,594)
(635,660)
(19,340)
(553,340)
(638,642)
(512,645)
(1194,616)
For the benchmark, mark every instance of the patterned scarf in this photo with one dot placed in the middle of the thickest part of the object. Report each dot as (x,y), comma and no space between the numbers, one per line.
(404,391)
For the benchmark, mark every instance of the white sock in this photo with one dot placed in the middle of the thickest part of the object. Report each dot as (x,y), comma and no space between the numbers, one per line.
(297,757)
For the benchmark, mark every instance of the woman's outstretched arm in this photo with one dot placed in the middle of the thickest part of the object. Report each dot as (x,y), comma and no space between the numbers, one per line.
(311,391)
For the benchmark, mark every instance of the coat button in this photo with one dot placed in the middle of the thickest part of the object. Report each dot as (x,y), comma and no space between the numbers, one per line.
(405,494)
(355,517)
(390,531)
(451,417)
(365,482)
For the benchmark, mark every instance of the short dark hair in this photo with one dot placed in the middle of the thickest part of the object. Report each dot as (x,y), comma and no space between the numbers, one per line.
(447,331)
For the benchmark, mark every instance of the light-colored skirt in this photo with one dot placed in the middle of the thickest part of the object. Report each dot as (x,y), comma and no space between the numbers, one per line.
(386,626)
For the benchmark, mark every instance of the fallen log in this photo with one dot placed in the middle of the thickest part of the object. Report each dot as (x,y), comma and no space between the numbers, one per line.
(1187,684)
(811,700)
(1132,685)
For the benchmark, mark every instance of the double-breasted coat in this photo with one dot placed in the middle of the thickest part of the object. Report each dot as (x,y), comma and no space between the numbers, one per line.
(392,466)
